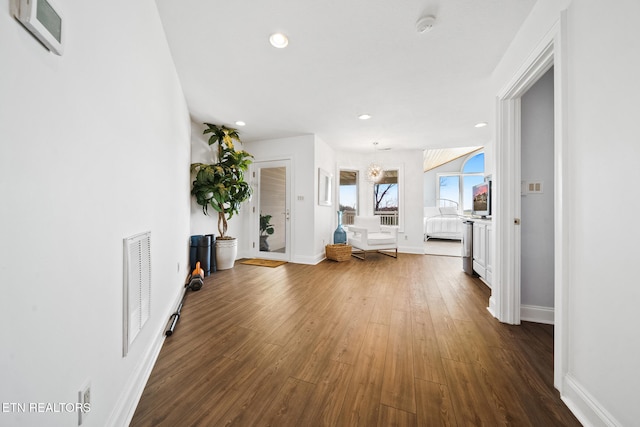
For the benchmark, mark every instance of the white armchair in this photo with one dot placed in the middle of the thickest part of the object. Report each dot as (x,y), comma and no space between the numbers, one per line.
(366,234)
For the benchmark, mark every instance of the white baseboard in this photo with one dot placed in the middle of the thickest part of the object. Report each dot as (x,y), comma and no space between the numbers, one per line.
(534,313)
(126,405)
(584,406)
(417,250)
(492,306)
(486,282)
(308,260)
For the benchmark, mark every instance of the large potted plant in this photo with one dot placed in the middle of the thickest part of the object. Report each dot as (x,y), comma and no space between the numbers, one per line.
(222,186)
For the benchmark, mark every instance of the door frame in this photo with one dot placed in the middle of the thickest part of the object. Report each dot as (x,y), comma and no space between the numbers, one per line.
(504,303)
(255,209)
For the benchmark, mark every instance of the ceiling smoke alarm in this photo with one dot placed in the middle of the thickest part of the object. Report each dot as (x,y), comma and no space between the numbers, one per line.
(425,23)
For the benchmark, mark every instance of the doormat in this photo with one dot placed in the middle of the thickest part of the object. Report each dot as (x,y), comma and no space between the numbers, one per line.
(263,262)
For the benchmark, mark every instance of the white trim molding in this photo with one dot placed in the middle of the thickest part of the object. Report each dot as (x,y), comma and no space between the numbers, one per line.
(584,406)
(126,405)
(505,302)
(492,306)
(534,313)
(309,260)
(416,250)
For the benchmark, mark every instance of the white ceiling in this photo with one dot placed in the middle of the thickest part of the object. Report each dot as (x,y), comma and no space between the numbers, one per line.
(345,57)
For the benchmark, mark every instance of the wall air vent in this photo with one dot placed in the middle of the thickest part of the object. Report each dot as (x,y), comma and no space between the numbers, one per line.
(137,287)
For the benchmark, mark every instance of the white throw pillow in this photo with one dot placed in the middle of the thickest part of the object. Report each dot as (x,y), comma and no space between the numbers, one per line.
(448,210)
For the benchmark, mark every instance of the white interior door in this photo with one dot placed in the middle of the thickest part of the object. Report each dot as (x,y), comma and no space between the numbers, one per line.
(271,218)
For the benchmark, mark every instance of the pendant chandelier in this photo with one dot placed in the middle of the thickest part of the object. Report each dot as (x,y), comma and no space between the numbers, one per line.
(375,173)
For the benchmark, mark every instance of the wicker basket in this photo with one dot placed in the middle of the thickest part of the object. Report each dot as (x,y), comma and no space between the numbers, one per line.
(339,252)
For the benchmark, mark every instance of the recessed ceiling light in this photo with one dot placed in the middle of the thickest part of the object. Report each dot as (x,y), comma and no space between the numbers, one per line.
(481,124)
(240,123)
(364,116)
(278,40)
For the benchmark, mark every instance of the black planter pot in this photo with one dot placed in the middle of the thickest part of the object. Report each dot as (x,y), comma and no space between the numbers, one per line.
(264,245)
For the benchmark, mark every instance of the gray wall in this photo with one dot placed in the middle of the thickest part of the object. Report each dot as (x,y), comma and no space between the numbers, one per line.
(537,208)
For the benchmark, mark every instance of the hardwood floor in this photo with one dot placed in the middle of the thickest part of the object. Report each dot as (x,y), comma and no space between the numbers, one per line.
(381,342)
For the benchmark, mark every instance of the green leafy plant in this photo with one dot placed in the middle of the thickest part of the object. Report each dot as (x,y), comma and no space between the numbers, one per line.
(221,185)
(266,229)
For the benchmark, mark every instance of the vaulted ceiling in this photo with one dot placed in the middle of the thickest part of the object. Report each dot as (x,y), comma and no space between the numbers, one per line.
(344,58)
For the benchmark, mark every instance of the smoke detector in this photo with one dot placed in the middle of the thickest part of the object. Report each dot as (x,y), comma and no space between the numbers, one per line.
(425,23)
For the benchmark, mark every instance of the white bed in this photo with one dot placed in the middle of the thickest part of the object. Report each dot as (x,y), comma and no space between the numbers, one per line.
(443,221)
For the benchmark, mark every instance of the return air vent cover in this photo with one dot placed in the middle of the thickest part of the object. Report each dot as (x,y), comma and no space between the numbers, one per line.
(137,287)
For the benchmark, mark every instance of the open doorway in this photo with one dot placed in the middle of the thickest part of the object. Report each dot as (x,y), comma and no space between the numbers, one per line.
(537,202)
(505,300)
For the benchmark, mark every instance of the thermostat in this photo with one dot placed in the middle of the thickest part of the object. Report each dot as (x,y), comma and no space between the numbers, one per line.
(42,19)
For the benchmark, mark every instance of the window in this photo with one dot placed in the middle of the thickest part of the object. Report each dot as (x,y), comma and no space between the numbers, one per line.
(348,197)
(457,186)
(386,198)
(449,186)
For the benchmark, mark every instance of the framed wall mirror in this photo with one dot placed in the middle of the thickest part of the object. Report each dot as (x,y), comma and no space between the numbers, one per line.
(324,188)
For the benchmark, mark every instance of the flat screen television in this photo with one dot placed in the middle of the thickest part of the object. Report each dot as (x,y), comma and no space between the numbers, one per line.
(481,199)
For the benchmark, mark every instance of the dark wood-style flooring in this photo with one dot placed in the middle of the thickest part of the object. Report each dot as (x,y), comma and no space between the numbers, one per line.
(381,342)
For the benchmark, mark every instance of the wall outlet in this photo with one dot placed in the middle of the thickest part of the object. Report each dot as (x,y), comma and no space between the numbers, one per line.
(84,401)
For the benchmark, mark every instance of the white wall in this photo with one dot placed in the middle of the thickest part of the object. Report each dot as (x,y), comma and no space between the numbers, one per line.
(410,164)
(301,151)
(537,253)
(326,217)
(307,153)
(603,149)
(94,148)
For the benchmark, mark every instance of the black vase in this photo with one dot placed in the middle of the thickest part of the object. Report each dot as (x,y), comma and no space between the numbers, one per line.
(264,245)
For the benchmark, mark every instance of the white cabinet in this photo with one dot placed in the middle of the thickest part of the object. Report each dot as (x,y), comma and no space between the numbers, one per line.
(482,246)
